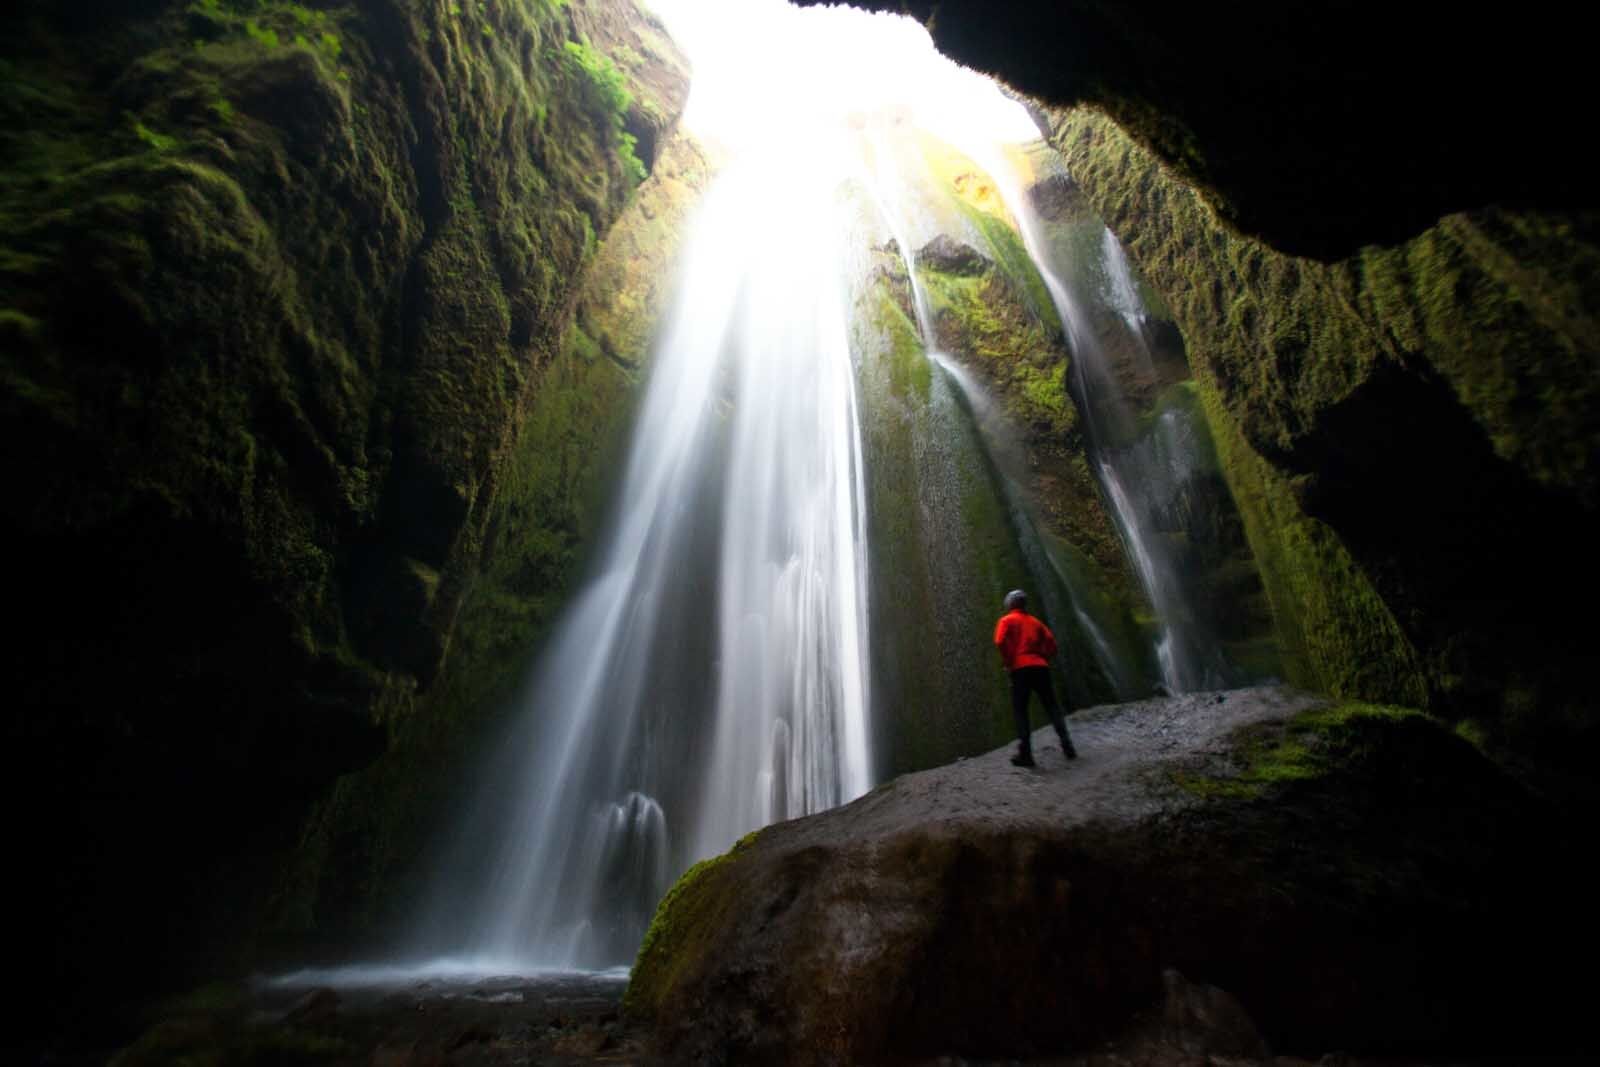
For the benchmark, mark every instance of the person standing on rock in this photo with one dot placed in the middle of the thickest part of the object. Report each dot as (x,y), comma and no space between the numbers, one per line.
(1026,645)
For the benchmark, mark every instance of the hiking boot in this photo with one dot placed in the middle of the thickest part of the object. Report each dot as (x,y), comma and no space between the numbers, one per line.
(1023,759)
(1067,748)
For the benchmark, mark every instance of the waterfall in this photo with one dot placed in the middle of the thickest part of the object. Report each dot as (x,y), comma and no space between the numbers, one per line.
(1144,475)
(793,691)
(1121,294)
(713,676)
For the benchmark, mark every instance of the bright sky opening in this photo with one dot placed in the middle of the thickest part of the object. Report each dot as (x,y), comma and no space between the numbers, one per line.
(764,70)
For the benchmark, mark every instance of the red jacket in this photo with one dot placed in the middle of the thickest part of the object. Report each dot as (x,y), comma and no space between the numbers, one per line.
(1024,641)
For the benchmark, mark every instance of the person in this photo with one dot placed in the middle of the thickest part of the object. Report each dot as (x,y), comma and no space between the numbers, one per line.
(1026,645)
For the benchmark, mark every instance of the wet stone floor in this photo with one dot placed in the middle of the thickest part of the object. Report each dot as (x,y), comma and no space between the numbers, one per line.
(546,1019)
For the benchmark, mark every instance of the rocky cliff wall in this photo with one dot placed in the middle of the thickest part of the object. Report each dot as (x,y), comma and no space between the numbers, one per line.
(1426,292)
(285,303)
(1412,432)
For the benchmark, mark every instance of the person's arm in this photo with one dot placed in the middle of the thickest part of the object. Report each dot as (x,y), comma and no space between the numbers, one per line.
(1049,641)
(1001,632)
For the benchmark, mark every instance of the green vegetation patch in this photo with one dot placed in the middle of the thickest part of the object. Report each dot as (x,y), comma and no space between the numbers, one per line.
(675,945)
(1336,634)
(1011,255)
(1273,341)
(605,87)
(221,26)
(982,319)
(1310,745)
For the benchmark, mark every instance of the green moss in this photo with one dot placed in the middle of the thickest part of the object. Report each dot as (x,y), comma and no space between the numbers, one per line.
(1045,395)
(910,373)
(1336,634)
(605,87)
(14,323)
(264,36)
(1310,745)
(1274,342)
(669,952)
(1497,302)
(1474,733)
(983,319)
(159,142)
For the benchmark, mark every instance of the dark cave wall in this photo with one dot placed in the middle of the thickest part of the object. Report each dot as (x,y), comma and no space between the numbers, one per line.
(282,286)
(1318,127)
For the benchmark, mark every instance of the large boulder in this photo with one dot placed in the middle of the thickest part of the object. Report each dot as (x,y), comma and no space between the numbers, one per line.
(1343,870)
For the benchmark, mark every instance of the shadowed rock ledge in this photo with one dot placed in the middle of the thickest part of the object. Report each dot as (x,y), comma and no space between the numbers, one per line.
(1344,870)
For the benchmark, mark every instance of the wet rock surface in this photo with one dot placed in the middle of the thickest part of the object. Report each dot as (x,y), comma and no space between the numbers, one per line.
(945,253)
(550,1019)
(1342,871)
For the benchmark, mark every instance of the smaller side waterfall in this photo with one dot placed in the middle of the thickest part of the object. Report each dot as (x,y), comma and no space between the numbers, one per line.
(1054,589)
(1144,475)
(1121,293)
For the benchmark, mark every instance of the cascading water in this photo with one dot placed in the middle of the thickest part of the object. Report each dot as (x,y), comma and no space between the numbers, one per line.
(1144,475)
(1002,447)
(743,491)
(1121,292)
(715,674)
(793,693)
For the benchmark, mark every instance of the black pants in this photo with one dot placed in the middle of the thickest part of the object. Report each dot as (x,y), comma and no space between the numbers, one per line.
(1026,680)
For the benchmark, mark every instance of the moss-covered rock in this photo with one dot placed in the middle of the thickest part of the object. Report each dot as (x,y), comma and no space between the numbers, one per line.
(280,286)
(941,543)
(1382,419)
(1344,870)
(984,319)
